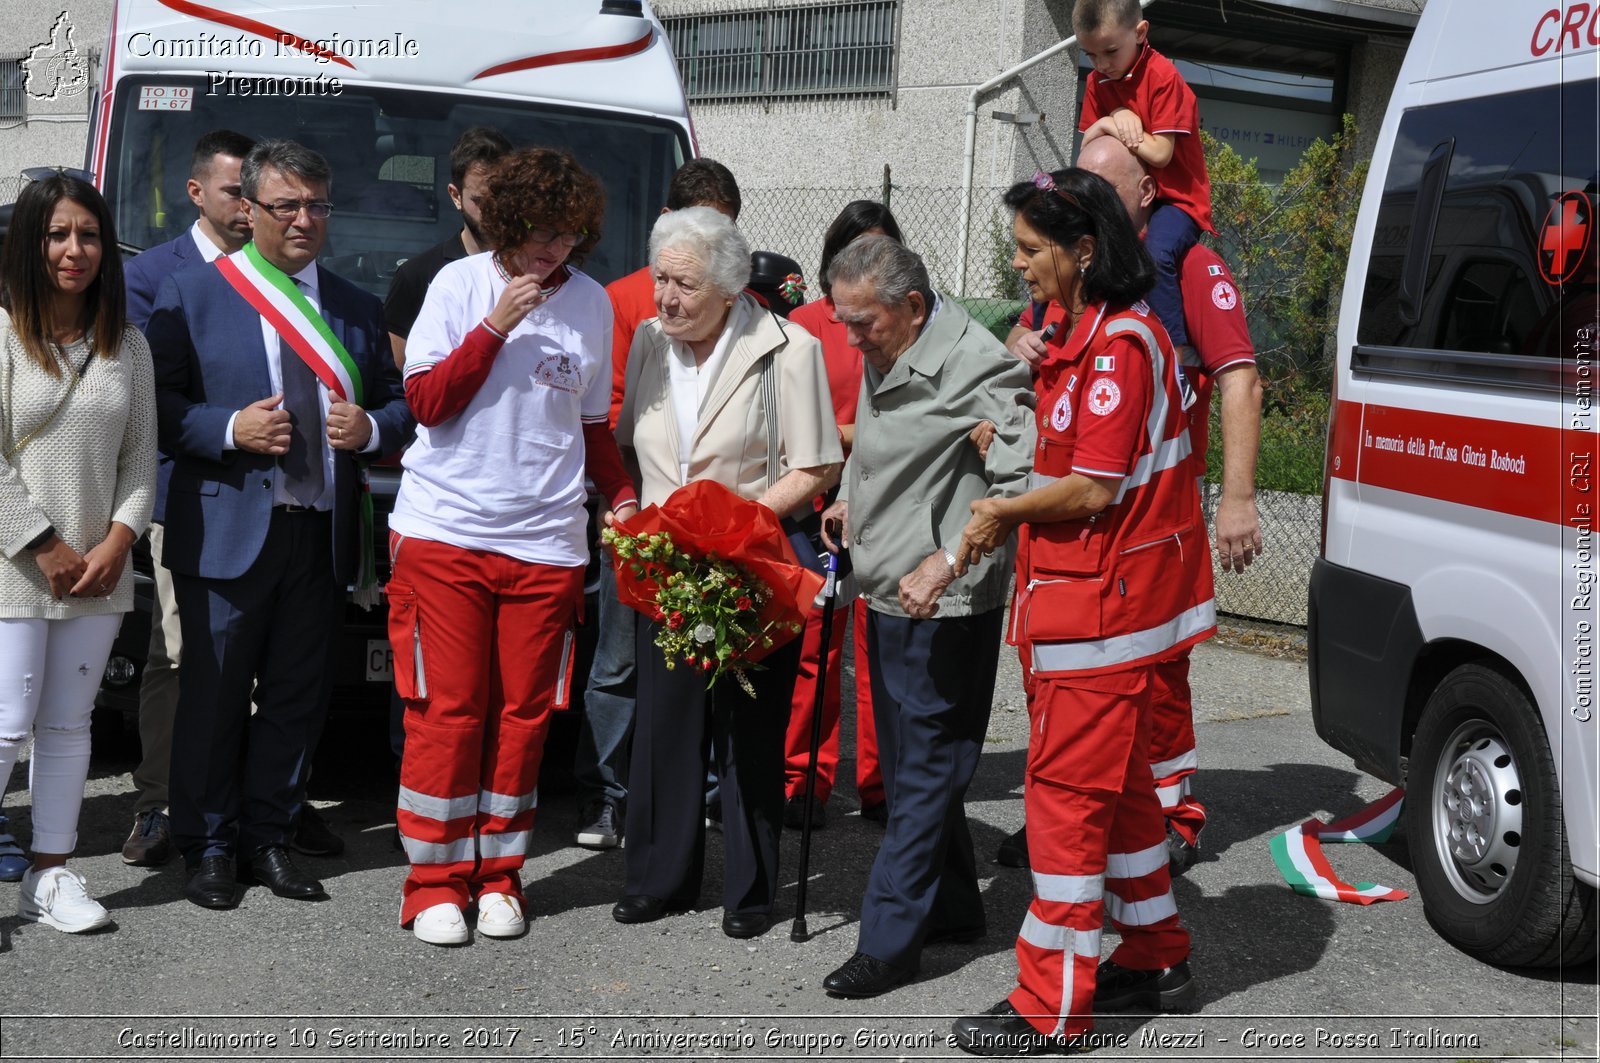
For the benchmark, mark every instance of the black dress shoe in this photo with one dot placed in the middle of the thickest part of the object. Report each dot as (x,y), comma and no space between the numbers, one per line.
(637,908)
(1181,852)
(1119,988)
(1013,852)
(1001,1031)
(272,868)
(865,976)
(794,813)
(745,924)
(312,836)
(955,935)
(213,884)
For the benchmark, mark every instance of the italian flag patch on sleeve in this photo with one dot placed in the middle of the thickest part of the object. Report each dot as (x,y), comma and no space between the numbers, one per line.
(1103,363)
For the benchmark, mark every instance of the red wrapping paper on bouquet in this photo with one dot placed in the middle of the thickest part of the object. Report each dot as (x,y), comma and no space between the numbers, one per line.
(704,517)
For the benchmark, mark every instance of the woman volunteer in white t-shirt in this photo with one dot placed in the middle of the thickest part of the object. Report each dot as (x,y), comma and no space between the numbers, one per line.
(508,369)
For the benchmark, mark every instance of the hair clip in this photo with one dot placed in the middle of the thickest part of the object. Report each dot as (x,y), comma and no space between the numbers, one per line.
(793,289)
(1046,183)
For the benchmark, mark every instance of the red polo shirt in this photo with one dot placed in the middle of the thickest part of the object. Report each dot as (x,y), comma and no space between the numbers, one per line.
(1164,102)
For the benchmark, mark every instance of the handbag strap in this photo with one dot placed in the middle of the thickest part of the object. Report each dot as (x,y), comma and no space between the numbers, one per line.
(72,385)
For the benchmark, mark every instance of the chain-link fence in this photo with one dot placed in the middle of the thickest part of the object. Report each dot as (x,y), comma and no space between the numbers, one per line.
(792,222)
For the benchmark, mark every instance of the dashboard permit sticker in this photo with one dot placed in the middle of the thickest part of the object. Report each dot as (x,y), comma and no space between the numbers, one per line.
(166,98)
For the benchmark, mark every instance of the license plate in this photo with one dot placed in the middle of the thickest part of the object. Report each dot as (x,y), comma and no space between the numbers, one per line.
(380,661)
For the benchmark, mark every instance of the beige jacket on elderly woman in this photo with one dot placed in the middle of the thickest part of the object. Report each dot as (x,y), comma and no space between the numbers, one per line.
(730,441)
(913,474)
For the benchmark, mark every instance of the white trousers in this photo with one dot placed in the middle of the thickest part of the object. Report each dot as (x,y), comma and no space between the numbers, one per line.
(49,673)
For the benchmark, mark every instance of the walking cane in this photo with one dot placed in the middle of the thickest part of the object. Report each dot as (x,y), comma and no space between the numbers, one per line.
(829,592)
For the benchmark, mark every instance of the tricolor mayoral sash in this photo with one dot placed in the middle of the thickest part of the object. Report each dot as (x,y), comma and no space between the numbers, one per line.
(276,297)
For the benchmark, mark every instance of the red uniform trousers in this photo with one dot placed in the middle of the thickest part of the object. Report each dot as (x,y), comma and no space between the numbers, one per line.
(1096,845)
(797,744)
(1172,754)
(482,647)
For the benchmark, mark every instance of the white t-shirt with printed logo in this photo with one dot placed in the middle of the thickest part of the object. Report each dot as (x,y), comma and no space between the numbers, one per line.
(506,474)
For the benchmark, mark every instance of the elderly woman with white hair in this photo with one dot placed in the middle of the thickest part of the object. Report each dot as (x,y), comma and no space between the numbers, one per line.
(694,411)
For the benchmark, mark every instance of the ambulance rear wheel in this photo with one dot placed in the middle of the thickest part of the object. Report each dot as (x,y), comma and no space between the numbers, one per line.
(1488,842)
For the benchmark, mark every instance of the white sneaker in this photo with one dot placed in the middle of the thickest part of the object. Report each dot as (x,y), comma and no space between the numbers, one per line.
(440,925)
(500,915)
(60,898)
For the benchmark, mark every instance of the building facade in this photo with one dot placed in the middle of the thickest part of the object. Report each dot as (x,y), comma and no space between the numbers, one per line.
(816,103)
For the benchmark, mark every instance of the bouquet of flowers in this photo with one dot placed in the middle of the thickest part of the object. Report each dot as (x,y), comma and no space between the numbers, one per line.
(718,573)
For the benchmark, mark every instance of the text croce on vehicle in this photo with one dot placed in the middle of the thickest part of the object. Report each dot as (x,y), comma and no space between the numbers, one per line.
(383,91)
(1454,610)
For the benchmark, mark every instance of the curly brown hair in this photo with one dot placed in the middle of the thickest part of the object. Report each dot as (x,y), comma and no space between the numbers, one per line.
(541,188)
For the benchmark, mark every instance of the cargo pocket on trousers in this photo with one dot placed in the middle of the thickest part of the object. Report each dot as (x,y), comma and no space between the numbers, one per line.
(405,639)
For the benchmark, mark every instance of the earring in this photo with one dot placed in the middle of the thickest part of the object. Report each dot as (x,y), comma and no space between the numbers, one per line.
(1083,267)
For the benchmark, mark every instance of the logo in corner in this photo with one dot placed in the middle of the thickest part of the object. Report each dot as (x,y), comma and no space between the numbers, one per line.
(55,69)
(1104,396)
(1061,416)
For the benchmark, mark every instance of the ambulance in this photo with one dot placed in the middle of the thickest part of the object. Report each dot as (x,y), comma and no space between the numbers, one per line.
(1454,609)
(383,90)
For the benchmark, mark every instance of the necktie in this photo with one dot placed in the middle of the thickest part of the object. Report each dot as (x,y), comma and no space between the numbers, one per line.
(302,465)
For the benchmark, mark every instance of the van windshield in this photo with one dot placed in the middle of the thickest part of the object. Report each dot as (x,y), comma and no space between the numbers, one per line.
(390,154)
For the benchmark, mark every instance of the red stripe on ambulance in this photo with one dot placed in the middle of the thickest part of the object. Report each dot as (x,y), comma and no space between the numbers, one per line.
(1500,466)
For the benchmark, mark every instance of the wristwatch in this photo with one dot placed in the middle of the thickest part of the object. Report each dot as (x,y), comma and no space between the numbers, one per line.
(949,558)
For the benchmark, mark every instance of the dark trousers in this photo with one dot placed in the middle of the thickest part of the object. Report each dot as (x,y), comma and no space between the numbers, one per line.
(1168,238)
(932,689)
(666,781)
(601,761)
(238,778)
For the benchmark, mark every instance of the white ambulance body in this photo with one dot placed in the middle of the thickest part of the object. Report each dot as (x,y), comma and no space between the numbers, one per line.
(1454,612)
(383,90)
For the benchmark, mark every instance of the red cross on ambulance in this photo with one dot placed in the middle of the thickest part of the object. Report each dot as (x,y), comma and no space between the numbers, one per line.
(1565,239)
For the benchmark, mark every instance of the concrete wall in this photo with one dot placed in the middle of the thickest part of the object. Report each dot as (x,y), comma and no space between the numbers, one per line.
(55,131)
(1374,68)
(946,50)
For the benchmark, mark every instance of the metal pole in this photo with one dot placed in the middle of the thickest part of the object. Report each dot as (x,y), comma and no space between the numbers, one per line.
(829,593)
(970,150)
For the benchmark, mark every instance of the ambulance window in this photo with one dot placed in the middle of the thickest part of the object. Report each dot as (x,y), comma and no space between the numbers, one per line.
(1490,309)
(1506,274)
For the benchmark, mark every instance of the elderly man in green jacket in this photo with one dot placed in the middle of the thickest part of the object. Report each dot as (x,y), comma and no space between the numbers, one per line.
(931,375)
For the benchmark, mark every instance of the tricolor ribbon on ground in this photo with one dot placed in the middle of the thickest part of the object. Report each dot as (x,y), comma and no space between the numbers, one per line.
(1298,852)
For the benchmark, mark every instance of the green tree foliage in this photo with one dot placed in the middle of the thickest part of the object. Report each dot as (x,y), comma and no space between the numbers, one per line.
(1288,247)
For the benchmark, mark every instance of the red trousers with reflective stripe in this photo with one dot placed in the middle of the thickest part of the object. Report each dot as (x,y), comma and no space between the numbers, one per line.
(797,744)
(1096,845)
(482,644)
(1172,754)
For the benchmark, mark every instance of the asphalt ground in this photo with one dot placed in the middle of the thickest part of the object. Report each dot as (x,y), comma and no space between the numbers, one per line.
(1280,976)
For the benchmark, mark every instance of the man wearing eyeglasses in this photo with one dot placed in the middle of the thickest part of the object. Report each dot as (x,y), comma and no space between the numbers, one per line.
(274,377)
(222,228)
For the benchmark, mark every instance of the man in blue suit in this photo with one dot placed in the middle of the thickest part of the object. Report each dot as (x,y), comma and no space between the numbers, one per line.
(273,376)
(222,228)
